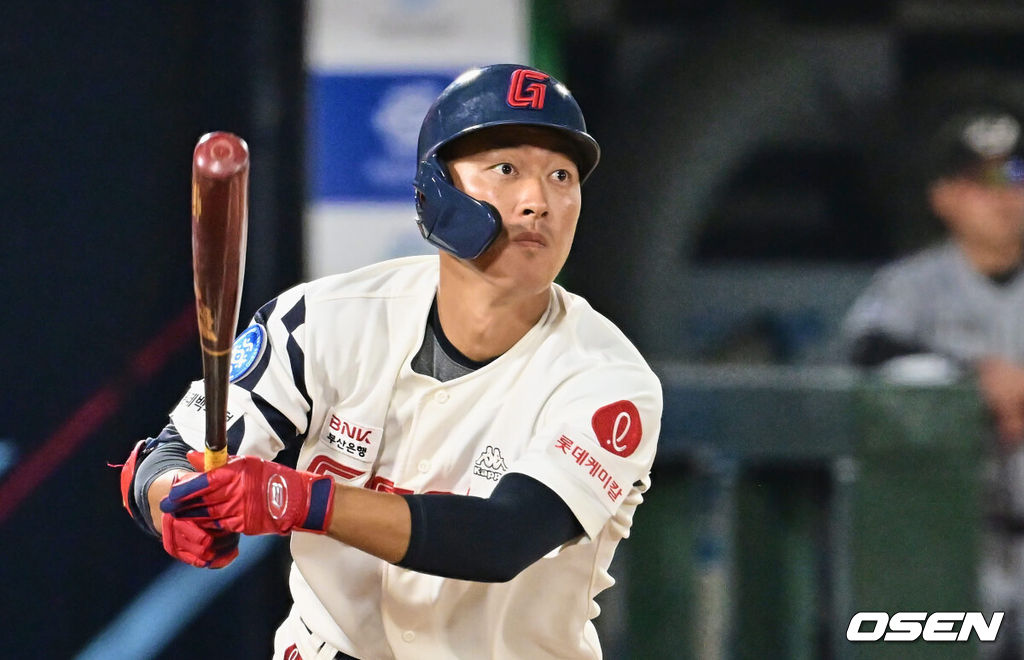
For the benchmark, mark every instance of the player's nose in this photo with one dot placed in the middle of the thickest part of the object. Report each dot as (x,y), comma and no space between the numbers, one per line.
(533,198)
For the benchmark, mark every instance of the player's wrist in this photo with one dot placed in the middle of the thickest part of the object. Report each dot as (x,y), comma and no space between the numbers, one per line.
(320,504)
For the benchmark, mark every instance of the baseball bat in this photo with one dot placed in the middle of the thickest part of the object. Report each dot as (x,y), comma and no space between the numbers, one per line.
(220,186)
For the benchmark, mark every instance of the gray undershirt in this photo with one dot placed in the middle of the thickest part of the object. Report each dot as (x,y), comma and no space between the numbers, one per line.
(437,357)
(433,361)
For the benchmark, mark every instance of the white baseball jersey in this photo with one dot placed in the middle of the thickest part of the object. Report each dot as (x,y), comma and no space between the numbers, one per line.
(936,299)
(572,404)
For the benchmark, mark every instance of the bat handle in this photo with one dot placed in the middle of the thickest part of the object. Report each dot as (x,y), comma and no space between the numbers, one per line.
(214,458)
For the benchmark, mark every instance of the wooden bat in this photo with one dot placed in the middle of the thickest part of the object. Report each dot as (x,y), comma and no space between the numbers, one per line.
(220,187)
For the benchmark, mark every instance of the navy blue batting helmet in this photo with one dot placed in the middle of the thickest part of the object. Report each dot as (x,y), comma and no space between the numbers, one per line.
(496,95)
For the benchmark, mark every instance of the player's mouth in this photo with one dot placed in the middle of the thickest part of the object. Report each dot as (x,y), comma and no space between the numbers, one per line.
(529,239)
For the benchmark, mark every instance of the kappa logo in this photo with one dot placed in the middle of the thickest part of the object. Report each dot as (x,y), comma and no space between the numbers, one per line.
(527,89)
(277,496)
(491,464)
(617,426)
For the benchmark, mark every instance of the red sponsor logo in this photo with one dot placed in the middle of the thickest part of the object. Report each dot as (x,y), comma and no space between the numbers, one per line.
(526,89)
(591,465)
(617,426)
(383,485)
(292,653)
(354,432)
(277,496)
(324,465)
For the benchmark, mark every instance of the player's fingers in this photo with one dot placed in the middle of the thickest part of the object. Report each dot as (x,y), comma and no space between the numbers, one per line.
(191,559)
(211,519)
(207,488)
(180,551)
(204,513)
(222,559)
(228,522)
(200,547)
(196,513)
(188,488)
(182,500)
(222,543)
(190,534)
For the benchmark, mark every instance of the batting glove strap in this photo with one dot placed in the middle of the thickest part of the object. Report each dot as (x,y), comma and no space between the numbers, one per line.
(321,504)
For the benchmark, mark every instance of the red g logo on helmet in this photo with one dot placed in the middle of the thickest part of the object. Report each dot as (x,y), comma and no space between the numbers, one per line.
(617,426)
(526,89)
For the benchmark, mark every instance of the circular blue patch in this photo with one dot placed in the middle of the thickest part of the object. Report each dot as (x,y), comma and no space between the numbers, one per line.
(246,351)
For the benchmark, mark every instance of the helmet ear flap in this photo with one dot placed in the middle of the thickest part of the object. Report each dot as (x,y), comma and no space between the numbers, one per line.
(448,217)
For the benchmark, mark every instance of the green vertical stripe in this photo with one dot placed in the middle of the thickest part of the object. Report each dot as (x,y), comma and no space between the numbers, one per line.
(547,24)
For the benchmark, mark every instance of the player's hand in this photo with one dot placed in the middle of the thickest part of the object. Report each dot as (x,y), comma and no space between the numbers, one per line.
(1002,385)
(196,544)
(253,496)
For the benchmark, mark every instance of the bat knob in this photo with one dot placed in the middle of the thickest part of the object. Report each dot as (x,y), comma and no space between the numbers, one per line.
(220,155)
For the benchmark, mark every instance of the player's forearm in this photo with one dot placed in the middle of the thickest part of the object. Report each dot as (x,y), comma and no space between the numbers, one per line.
(374,522)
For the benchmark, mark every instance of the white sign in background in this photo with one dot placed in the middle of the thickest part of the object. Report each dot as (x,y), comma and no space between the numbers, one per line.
(374,67)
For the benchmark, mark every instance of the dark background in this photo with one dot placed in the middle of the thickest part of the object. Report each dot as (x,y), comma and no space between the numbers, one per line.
(103,103)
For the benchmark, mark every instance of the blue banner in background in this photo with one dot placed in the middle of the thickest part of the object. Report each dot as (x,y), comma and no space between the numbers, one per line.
(363,131)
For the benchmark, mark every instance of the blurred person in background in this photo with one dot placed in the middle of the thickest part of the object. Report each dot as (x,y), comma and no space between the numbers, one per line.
(956,309)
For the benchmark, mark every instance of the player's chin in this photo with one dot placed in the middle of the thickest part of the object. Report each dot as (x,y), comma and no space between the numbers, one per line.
(532,276)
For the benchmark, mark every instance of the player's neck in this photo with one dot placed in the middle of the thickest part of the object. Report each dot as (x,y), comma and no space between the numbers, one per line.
(992,260)
(483,319)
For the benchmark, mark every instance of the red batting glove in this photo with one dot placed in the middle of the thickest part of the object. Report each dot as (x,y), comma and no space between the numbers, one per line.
(196,545)
(254,496)
(204,546)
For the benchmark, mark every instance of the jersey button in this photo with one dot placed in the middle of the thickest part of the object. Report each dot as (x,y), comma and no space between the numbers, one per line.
(424,466)
(408,636)
(440,396)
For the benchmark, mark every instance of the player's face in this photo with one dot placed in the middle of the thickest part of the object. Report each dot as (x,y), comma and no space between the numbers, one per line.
(987,215)
(536,188)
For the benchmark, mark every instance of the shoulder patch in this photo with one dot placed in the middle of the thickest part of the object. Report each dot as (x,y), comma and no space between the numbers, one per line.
(617,426)
(246,351)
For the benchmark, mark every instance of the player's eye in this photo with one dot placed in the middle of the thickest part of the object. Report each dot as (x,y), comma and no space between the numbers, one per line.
(561,175)
(505,168)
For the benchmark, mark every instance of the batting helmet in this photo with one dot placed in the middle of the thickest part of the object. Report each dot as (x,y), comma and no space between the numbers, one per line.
(496,95)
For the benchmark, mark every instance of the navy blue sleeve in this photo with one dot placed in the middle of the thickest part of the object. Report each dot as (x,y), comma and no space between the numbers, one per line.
(877,347)
(165,452)
(487,539)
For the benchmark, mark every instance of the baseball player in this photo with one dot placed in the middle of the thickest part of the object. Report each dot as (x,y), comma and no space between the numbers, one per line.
(962,301)
(473,438)
(964,298)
